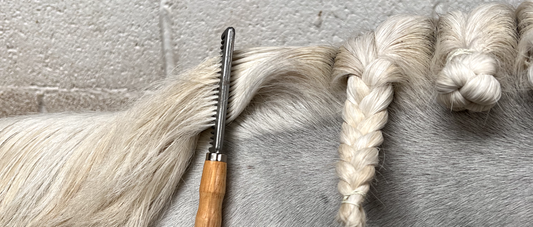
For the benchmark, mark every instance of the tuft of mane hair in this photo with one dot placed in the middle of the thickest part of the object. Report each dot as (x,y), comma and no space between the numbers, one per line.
(304,73)
(473,56)
(121,169)
(399,50)
(524,15)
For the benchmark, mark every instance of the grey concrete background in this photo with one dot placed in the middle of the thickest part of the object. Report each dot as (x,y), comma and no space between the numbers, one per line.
(67,55)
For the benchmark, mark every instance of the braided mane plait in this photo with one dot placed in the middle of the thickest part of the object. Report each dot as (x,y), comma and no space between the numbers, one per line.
(372,62)
(472,54)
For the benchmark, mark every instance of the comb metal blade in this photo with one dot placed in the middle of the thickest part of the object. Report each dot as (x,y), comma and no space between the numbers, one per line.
(228,39)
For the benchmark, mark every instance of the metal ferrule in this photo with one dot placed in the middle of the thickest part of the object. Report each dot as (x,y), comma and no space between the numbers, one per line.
(215,157)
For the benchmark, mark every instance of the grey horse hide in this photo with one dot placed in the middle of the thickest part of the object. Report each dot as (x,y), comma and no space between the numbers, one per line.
(437,168)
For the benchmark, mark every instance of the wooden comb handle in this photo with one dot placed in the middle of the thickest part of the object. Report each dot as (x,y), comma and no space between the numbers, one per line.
(212,190)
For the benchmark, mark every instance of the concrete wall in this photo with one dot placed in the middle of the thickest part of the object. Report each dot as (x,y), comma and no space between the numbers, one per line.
(67,55)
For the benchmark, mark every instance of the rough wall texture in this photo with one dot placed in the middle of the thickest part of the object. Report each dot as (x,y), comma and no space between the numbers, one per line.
(67,55)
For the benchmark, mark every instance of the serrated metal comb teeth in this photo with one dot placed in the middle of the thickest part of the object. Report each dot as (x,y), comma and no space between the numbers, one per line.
(228,38)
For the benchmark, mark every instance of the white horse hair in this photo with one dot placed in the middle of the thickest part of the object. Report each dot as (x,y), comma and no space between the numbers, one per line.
(398,50)
(524,16)
(473,54)
(120,169)
(123,168)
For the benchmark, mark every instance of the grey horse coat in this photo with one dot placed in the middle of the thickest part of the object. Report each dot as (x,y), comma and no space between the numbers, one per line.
(437,168)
